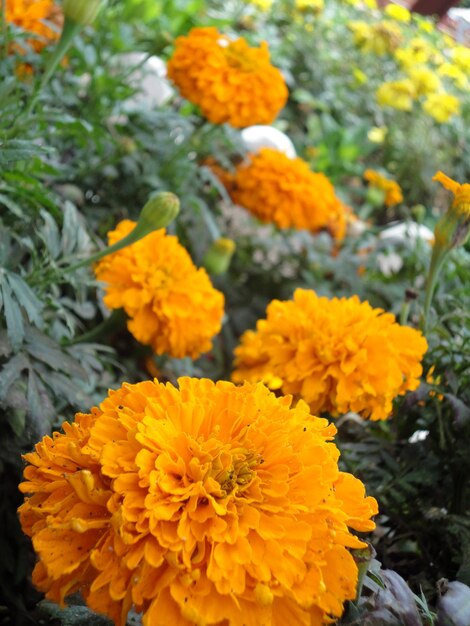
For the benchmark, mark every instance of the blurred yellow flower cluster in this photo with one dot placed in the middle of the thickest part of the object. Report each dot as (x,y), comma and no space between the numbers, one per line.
(397,12)
(231,82)
(370,4)
(398,94)
(428,68)
(381,38)
(310,5)
(263,5)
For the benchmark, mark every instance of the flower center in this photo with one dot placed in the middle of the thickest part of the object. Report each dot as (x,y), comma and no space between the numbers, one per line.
(239,474)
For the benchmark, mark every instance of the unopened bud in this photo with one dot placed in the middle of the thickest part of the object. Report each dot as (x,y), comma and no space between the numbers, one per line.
(157,213)
(453,228)
(81,12)
(217,258)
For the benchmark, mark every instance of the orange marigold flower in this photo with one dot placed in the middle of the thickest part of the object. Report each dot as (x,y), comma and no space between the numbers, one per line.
(209,504)
(391,189)
(35,16)
(171,304)
(279,189)
(227,79)
(338,355)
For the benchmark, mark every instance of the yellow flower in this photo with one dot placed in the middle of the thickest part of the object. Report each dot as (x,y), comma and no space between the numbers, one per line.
(424,80)
(41,17)
(285,191)
(418,52)
(171,304)
(426,25)
(398,94)
(380,39)
(461,203)
(399,13)
(360,77)
(210,504)
(370,4)
(227,79)
(391,189)
(310,5)
(377,134)
(461,57)
(441,106)
(338,355)
(263,5)
(454,72)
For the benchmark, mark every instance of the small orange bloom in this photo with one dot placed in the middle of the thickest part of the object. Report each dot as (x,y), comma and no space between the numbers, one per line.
(391,188)
(282,190)
(231,82)
(172,304)
(210,504)
(41,17)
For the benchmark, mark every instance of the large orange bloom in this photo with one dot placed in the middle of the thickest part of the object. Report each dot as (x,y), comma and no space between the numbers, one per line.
(171,304)
(282,190)
(210,504)
(230,81)
(338,355)
(35,16)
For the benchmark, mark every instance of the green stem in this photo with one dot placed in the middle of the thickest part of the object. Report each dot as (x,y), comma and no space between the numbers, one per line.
(69,31)
(136,234)
(209,220)
(404,312)
(4,32)
(105,328)
(439,255)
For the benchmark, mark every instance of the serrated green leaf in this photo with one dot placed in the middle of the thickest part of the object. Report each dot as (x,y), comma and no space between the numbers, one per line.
(26,298)
(12,371)
(49,232)
(62,386)
(19,150)
(13,317)
(17,420)
(44,349)
(7,86)
(70,229)
(11,205)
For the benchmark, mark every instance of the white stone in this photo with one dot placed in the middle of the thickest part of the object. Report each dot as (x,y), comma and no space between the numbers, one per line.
(410,231)
(389,263)
(149,78)
(256,137)
(418,435)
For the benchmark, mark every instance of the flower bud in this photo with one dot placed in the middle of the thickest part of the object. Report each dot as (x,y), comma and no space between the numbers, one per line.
(157,213)
(81,12)
(217,258)
(453,228)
